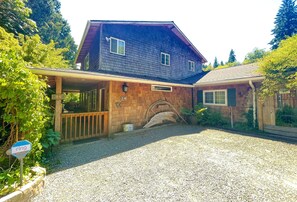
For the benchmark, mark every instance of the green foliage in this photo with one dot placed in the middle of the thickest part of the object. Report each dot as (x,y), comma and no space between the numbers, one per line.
(249,115)
(22,96)
(216,63)
(232,57)
(52,26)
(285,22)
(10,178)
(280,68)
(23,102)
(205,116)
(38,54)
(233,64)
(14,17)
(207,68)
(254,56)
(286,116)
(50,139)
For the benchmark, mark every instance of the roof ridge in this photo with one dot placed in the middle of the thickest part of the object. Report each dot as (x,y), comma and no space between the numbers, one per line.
(241,65)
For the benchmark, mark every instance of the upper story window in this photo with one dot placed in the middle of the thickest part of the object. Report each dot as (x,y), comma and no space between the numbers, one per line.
(191,65)
(117,46)
(165,59)
(87,62)
(215,97)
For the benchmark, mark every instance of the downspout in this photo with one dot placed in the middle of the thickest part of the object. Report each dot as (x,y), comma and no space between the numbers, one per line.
(254,102)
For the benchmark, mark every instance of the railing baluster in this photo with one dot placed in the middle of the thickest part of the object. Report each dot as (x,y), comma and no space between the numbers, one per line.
(83,125)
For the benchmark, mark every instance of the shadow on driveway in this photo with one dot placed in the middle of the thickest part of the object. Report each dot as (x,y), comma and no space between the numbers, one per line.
(77,153)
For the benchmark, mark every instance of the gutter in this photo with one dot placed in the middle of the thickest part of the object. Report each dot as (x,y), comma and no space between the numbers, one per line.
(254,102)
(98,76)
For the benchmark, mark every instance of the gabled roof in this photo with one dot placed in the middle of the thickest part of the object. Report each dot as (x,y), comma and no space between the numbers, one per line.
(93,26)
(237,74)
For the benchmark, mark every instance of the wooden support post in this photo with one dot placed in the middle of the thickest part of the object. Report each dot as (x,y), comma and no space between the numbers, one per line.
(109,108)
(58,108)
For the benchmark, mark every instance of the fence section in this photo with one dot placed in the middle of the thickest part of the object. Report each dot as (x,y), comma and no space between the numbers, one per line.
(77,126)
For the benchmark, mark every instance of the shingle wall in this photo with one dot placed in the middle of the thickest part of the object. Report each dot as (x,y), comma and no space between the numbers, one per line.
(144,45)
(138,99)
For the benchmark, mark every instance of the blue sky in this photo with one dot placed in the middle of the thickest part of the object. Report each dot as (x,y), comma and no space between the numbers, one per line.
(213,26)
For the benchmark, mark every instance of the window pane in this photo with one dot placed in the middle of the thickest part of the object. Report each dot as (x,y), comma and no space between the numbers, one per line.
(167,59)
(208,97)
(113,46)
(220,97)
(121,47)
(163,58)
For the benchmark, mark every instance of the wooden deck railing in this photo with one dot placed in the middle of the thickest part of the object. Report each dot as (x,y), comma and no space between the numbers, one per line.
(76,126)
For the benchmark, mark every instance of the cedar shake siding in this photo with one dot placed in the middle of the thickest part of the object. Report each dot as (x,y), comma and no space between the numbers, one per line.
(138,99)
(241,105)
(94,52)
(143,47)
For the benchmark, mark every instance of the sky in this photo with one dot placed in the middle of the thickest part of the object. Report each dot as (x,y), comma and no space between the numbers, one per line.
(213,26)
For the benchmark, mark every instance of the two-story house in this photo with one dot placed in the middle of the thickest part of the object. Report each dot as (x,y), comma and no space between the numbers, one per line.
(130,71)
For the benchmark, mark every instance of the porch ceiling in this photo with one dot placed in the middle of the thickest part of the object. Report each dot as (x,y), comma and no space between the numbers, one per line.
(73,84)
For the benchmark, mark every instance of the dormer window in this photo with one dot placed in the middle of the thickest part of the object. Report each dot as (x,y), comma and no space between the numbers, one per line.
(117,46)
(165,59)
(191,65)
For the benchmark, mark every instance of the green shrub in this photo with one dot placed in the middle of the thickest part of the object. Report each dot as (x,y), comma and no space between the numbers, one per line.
(286,116)
(206,116)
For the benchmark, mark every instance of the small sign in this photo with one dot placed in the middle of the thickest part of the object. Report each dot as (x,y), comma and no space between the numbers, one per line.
(21,148)
(58,96)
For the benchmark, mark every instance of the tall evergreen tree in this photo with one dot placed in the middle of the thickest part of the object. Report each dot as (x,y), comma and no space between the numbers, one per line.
(14,17)
(222,63)
(216,63)
(52,26)
(232,56)
(285,22)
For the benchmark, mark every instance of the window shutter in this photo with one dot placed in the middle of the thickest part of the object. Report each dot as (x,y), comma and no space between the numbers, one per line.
(200,96)
(231,96)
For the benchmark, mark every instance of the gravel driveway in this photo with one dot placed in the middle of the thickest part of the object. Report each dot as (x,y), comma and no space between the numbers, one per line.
(174,163)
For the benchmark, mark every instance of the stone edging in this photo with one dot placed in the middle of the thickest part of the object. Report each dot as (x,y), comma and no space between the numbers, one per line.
(27,191)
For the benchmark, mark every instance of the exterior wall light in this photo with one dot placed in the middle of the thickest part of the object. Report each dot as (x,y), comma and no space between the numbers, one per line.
(125,88)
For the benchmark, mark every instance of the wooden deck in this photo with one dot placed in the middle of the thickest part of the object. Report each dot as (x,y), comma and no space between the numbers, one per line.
(77,126)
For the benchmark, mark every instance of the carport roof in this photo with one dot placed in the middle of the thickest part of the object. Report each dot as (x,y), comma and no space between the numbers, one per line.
(110,76)
(236,74)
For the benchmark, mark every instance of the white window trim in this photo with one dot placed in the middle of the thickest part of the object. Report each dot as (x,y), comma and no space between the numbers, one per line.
(213,91)
(166,54)
(153,88)
(191,68)
(118,40)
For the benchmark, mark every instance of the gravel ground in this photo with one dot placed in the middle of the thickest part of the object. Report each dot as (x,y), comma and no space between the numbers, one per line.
(174,163)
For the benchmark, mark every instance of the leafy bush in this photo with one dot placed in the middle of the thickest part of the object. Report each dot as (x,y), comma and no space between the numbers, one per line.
(249,115)
(286,116)
(23,102)
(206,116)
(50,139)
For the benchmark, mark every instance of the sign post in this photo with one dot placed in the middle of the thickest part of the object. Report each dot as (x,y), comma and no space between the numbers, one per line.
(19,150)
